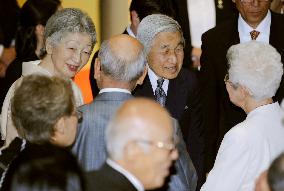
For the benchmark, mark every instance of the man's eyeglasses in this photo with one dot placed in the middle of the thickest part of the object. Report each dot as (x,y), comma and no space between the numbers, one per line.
(159,144)
(250,1)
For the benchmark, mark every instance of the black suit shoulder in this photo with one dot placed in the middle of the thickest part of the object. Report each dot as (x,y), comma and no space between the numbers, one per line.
(108,179)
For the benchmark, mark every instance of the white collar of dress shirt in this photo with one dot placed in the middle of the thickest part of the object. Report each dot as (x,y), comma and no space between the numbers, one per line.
(263,27)
(265,108)
(130,32)
(136,183)
(153,79)
(202,17)
(114,90)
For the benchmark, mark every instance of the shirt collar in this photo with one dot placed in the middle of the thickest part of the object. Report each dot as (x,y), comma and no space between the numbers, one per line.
(114,90)
(136,183)
(130,32)
(153,79)
(263,27)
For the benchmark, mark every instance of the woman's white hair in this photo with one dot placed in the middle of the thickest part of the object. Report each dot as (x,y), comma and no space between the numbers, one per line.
(256,66)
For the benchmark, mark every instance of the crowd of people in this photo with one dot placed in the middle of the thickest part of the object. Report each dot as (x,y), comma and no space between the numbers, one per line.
(184,99)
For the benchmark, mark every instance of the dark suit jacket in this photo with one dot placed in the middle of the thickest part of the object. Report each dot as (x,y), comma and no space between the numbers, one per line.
(183,103)
(9,14)
(220,114)
(108,179)
(180,7)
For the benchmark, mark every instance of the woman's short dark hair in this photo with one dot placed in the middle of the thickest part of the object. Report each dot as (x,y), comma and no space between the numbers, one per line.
(42,168)
(38,103)
(32,13)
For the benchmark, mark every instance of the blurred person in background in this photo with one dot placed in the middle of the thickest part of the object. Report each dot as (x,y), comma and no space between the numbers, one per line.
(9,14)
(29,38)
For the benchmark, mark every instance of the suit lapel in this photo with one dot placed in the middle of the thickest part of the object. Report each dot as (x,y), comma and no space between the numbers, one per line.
(145,90)
(176,96)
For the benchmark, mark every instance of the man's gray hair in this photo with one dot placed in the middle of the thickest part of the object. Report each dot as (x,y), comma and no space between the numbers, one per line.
(69,20)
(153,24)
(257,66)
(122,69)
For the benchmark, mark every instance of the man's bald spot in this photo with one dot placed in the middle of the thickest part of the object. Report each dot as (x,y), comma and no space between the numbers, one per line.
(125,47)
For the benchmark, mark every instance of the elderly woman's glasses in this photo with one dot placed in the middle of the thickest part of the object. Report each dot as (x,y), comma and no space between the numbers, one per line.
(250,1)
(227,80)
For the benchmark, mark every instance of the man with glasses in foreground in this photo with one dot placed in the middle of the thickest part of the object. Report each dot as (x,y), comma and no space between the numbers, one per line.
(140,144)
(255,22)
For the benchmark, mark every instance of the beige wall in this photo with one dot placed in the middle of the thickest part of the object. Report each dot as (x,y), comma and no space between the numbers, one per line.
(114,17)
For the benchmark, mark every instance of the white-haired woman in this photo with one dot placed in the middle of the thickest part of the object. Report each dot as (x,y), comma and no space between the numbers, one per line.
(69,40)
(255,72)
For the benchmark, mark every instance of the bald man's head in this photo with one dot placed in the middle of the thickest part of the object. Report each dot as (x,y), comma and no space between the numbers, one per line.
(140,138)
(122,58)
(122,42)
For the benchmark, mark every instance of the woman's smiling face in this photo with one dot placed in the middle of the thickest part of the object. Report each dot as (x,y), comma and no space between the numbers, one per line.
(71,54)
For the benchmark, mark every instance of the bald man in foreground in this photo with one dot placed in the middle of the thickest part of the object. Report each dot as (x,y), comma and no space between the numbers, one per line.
(141,147)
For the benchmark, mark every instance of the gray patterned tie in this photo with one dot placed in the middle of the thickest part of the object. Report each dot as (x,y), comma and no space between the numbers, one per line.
(159,92)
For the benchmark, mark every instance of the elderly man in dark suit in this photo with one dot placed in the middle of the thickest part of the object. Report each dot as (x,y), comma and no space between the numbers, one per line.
(138,9)
(141,147)
(167,82)
(118,69)
(255,22)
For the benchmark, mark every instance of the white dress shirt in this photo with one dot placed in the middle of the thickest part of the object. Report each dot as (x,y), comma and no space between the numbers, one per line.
(263,27)
(202,17)
(136,183)
(114,90)
(153,79)
(247,150)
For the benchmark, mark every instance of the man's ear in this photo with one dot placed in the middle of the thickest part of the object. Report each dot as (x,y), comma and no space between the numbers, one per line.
(246,91)
(141,79)
(234,1)
(131,151)
(59,127)
(97,69)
